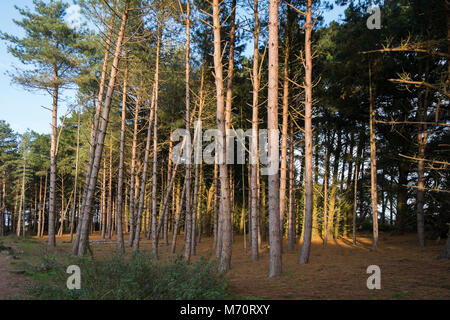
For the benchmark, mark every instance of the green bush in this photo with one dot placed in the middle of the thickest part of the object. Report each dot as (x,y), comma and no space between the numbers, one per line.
(139,278)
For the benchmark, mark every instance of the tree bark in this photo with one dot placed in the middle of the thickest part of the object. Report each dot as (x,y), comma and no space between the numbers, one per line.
(373,168)
(188,226)
(254,212)
(225,212)
(275,241)
(120,240)
(53,167)
(292,230)
(86,217)
(306,247)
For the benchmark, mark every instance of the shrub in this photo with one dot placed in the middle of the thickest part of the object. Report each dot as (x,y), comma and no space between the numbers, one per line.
(139,278)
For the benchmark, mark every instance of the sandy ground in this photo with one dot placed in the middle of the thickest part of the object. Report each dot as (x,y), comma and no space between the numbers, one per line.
(335,271)
(12,285)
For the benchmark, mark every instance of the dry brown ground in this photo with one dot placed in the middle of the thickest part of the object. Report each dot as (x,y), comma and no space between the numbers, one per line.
(11,284)
(335,271)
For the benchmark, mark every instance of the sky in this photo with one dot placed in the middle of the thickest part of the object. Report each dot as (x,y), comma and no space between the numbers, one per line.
(25,110)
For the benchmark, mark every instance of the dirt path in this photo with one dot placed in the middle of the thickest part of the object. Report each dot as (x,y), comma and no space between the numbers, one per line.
(12,285)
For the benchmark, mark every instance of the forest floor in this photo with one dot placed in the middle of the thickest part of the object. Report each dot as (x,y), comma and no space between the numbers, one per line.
(335,271)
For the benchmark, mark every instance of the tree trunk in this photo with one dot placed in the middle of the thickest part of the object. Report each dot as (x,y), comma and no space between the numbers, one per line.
(275,241)
(292,212)
(86,217)
(94,131)
(358,161)
(306,247)
(110,189)
(53,164)
(422,139)
(75,188)
(284,130)
(22,197)
(334,186)
(225,210)
(253,205)
(120,240)
(373,168)
(177,222)
(325,198)
(143,182)
(187,231)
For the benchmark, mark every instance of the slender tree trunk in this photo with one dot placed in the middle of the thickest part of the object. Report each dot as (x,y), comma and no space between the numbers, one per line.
(169,171)
(306,247)
(94,131)
(22,197)
(155,148)
(347,199)
(284,130)
(75,188)
(103,203)
(53,164)
(373,168)
(43,206)
(153,114)
(422,139)
(3,207)
(292,212)
(334,186)
(177,222)
(110,189)
(120,240)
(87,214)
(253,204)
(275,241)
(325,198)
(188,215)
(198,146)
(359,153)
(225,209)
(132,202)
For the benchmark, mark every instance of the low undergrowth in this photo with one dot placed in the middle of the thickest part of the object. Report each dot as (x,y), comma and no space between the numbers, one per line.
(137,278)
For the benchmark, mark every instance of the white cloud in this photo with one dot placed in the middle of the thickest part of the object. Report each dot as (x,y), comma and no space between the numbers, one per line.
(73,16)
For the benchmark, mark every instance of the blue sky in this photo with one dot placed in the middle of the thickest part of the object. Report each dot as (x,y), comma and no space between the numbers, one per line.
(22,109)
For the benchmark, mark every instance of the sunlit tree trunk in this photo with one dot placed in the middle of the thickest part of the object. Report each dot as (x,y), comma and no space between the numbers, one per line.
(132,201)
(3,206)
(87,209)
(53,166)
(94,130)
(75,188)
(120,240)
(110,189)
(155,148)
(292,230)
(334,185)
(225,210)
(143,182)
(373,168)
(284,127)
(22,205)
(253,205)
(357,162)
(275,265)
(177,221)
(306,247)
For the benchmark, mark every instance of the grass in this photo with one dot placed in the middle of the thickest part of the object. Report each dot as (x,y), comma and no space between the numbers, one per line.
(138,278)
